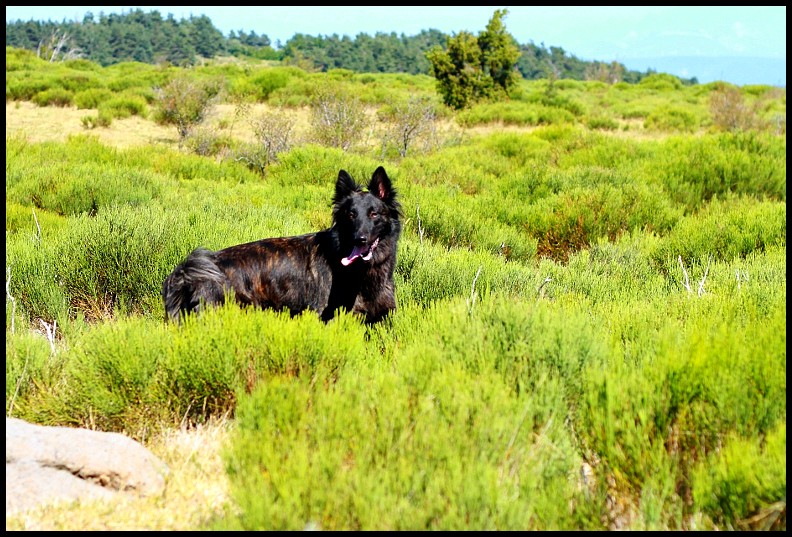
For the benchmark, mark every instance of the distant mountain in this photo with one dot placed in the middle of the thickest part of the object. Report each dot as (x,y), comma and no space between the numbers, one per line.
(737,70)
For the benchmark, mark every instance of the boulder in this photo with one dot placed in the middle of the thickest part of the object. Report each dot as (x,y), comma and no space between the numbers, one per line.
(51,464)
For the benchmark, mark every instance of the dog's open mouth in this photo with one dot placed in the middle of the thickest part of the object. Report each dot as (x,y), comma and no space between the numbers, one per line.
(360,252)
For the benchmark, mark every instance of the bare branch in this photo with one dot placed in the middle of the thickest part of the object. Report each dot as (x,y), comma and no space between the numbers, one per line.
(687,281)
(540,290)
(49,332)
(472,300)
(420,227)
(38,227)
(701,283)
(13,300)
(57,45)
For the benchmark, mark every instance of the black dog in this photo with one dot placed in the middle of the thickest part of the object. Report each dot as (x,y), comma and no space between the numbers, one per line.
(350,265)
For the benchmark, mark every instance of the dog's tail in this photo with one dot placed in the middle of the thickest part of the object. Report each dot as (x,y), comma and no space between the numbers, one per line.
(197,280)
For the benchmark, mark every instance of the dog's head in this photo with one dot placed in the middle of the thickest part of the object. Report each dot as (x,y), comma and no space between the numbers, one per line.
(366,223)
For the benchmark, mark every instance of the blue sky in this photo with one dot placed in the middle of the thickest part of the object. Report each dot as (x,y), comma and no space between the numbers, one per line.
(631,35)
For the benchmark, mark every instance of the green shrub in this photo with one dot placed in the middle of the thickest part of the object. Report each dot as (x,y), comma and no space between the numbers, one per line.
(661,81)
(28,362)
(693,170)
(20,88)
(111,391)
(514,113)
(81,64)
(435,440)
(737,484)
(54,97)
(207,142)
(267,81)
(80,81)
(33,282)
(18,59)
(92,98)
(651,418)
(99,120)
(724,230)
(83,188)
(123,106)
(672,119)
(602,123)
(114,261)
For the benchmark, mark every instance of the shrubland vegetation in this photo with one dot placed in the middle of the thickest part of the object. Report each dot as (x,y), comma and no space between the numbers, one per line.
(591,286)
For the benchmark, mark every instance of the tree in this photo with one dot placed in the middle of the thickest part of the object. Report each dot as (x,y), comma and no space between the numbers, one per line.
(499,52)
(458,71)
(471,68)
(206,39)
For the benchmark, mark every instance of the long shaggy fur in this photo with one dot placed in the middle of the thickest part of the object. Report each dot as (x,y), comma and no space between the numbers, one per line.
(347,266)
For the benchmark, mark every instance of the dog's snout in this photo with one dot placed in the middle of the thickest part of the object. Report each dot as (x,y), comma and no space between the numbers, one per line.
(361,240)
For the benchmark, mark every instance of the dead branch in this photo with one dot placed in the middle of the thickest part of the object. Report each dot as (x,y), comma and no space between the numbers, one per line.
(13,300)
(687,281)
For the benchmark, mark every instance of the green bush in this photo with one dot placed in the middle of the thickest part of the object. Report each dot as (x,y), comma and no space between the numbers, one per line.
(29,362)
(33,282)
(455,433)
(602,123)
(99,120)
(54,97)
(92,98)
(81,64)
(123,106)
(84,188)
(694,170)
(18,59)
(672,119)
(651,418)
(267,81)
(79,81)
(737,484)
(724,230)
(661,81)
(514,113)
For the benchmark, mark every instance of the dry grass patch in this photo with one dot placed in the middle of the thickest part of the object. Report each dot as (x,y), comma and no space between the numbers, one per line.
(48,123)
(196,490)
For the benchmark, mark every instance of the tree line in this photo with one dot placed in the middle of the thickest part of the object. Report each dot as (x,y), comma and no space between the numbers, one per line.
(149,37)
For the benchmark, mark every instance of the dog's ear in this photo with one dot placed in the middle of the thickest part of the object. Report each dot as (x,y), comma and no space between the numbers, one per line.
(344,186)
(380,185)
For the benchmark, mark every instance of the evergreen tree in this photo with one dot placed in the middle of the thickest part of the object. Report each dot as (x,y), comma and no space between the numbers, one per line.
(460,79)
(474,68)
(499,52)
(206,39)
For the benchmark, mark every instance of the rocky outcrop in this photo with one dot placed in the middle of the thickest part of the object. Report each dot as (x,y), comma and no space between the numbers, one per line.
(51,464)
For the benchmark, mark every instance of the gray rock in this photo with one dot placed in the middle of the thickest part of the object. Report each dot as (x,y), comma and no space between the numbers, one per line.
(50,464)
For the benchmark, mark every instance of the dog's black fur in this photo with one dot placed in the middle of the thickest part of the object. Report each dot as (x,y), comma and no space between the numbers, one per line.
(350,265)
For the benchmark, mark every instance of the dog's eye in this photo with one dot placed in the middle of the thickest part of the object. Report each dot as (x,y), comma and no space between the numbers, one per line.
(373,215)
(351,215)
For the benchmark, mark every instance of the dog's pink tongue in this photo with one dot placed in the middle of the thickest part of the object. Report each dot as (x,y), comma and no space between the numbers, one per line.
(356,252)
